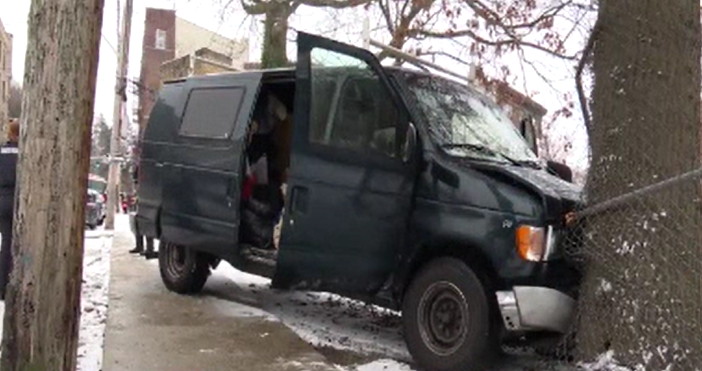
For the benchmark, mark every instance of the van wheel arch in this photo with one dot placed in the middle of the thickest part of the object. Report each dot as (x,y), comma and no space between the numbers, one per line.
(472,257)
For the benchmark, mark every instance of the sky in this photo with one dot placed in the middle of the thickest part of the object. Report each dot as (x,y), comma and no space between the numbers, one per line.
(234,23)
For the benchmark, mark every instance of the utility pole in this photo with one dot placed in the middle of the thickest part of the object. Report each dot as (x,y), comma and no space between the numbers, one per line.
(120,95)
(42,302)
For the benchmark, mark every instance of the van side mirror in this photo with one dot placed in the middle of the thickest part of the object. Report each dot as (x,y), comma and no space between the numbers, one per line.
(562,170)
(410,143)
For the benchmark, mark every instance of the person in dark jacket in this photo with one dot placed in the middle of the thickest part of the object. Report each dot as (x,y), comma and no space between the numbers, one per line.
(8,180)
(149,253)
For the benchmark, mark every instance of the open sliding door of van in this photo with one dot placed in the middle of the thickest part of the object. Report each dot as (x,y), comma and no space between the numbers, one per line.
(349,188)
(204,172)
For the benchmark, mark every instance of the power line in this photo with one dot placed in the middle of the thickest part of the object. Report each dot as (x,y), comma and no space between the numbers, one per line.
(114,50)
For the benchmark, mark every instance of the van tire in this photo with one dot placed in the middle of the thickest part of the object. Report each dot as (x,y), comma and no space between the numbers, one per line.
(183,270)
(443,290)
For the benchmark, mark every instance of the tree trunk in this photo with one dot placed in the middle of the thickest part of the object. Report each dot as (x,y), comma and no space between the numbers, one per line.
(275,35)
(43,298)
(641,296)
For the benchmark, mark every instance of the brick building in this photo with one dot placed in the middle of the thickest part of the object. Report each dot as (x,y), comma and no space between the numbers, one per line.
(170,39)
(158,46)
(5,76)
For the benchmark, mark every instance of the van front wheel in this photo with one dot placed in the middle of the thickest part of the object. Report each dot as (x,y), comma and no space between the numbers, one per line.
(183,270)
(446,319)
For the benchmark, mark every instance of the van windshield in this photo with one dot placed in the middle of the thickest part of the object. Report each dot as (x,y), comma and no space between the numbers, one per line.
(466,123)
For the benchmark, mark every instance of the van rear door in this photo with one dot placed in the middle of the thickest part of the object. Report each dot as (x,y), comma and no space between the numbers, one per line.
(204,172)
(156,142)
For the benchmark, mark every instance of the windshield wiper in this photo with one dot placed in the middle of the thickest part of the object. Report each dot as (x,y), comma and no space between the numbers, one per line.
(529,163)
(492,152)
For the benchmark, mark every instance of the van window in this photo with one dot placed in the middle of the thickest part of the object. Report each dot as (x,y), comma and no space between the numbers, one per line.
(351,108)
(162,121)
(211,112)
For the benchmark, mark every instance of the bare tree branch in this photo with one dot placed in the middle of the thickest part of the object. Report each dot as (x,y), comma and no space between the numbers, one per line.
(337,4)
(386,16)
(503,42)
(547,14)
(579,74)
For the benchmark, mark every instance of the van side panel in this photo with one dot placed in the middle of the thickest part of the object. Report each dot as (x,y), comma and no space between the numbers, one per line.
(156,141)
(203,174)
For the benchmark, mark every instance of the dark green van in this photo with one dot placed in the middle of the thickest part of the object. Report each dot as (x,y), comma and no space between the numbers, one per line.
(404,189)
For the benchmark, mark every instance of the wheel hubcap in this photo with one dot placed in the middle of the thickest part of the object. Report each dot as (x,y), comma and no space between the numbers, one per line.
(176,257)
(442,318)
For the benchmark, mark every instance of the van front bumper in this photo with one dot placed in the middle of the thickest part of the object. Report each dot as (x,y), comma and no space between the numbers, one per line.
(533,308)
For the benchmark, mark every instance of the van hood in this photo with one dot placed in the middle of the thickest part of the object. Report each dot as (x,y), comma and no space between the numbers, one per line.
(547,183)
(558,196)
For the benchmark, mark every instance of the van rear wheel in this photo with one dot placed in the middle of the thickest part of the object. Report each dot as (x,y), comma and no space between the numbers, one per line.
(446,319)
(183,270)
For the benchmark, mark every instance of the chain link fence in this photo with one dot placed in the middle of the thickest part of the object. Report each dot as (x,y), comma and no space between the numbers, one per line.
(637,239)
(639,304)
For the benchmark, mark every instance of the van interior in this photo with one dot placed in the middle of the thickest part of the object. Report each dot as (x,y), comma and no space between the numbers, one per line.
(349,111)
(268,151)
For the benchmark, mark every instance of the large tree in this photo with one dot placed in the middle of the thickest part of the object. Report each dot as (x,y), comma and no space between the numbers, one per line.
(275,30)
(43,299)
(641,297)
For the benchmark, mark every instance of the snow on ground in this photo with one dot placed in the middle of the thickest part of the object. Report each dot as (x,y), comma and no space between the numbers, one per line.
(384,365)
(332,321)
(96,275)
(94,300)
(328,320)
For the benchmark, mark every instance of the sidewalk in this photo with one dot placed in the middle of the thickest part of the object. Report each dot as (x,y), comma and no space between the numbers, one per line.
(151,329)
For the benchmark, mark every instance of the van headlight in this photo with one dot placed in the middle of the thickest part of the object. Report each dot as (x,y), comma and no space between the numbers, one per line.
(535,244)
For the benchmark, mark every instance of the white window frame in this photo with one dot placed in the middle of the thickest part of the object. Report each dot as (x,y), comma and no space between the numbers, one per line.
(160,39)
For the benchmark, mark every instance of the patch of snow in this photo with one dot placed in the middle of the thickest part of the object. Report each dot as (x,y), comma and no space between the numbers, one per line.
(94,301)
(605,362)
(383,365)
(605,286)
(329,320)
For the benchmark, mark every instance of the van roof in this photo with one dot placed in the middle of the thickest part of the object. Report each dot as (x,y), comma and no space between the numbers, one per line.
(281,70)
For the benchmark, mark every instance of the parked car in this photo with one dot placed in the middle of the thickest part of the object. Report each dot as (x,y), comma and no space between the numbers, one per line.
(94,209)
(98,184)
(405,189)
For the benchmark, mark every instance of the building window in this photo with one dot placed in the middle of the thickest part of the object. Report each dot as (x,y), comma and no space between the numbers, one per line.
(160,39)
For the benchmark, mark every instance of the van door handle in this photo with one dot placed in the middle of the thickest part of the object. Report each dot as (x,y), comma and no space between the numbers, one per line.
(299,198)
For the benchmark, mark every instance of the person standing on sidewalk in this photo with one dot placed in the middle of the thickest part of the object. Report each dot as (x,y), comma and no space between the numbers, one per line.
(149,253)
(8,181)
